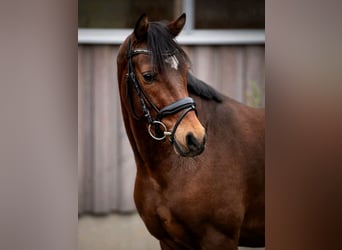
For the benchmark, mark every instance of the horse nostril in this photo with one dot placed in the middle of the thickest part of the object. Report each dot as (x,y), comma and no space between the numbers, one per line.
(192,142)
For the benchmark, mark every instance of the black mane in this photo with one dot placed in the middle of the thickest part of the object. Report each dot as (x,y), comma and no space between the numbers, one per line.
(161,43)
(202,89)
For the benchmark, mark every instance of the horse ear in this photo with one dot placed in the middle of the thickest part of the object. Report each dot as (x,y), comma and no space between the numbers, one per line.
(177,25)
(141,26)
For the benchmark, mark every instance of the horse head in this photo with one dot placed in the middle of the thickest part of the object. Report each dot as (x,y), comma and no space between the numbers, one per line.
(152,72)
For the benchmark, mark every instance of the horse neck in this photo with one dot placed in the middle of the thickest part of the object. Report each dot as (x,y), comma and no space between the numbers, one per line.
(149,153)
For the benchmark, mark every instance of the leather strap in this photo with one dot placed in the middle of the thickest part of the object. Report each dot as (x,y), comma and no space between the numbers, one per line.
(177,106)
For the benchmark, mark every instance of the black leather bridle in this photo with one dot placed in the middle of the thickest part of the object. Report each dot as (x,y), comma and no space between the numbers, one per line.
(186,104)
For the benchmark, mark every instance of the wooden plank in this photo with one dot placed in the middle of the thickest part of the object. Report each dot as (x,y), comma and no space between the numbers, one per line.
(255,76)
(231,71)
(85,122)
(81,139)
(103,133)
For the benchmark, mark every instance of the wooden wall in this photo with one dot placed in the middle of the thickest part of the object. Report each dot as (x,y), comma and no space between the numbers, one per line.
(106,168)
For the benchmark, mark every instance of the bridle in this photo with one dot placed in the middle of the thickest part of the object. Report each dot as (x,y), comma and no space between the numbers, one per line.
(186,104)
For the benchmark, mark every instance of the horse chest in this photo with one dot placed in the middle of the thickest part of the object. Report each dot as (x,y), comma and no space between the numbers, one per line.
(165,225)
(161,216)
(170,213)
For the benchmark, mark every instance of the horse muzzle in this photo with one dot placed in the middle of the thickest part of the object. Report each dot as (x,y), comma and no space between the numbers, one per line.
(190,138)
(193,147)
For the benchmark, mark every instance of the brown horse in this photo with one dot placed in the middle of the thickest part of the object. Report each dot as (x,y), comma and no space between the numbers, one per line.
(199,154)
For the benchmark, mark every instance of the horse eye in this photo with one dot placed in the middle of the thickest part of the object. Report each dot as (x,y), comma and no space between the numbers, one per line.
(148,77)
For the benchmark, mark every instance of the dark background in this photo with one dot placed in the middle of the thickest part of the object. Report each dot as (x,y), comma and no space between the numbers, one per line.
(215,14)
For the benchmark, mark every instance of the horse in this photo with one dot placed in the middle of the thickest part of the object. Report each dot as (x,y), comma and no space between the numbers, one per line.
(199,154)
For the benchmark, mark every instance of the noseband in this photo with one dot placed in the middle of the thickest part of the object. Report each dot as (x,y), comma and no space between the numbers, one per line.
(160,130)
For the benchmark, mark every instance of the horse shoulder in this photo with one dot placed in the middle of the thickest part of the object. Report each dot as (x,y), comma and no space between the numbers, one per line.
(155,206)
(147,200)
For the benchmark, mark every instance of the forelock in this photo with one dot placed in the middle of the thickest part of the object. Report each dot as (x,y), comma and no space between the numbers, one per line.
(163,45)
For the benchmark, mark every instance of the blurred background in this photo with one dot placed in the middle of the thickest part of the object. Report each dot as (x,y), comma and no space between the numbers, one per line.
(225,42)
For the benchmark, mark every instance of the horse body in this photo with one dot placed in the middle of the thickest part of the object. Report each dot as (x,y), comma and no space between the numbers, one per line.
(202,202)
(214,200)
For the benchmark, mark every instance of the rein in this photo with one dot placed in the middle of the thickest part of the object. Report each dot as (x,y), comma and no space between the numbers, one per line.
(186,104)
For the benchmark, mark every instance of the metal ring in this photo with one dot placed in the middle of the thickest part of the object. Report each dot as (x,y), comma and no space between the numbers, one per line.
(165,133)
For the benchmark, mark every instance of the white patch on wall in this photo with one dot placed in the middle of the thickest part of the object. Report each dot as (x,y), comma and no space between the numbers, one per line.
(172,61)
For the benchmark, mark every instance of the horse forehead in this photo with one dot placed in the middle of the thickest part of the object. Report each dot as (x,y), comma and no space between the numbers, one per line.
(144,60)
(172,61)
